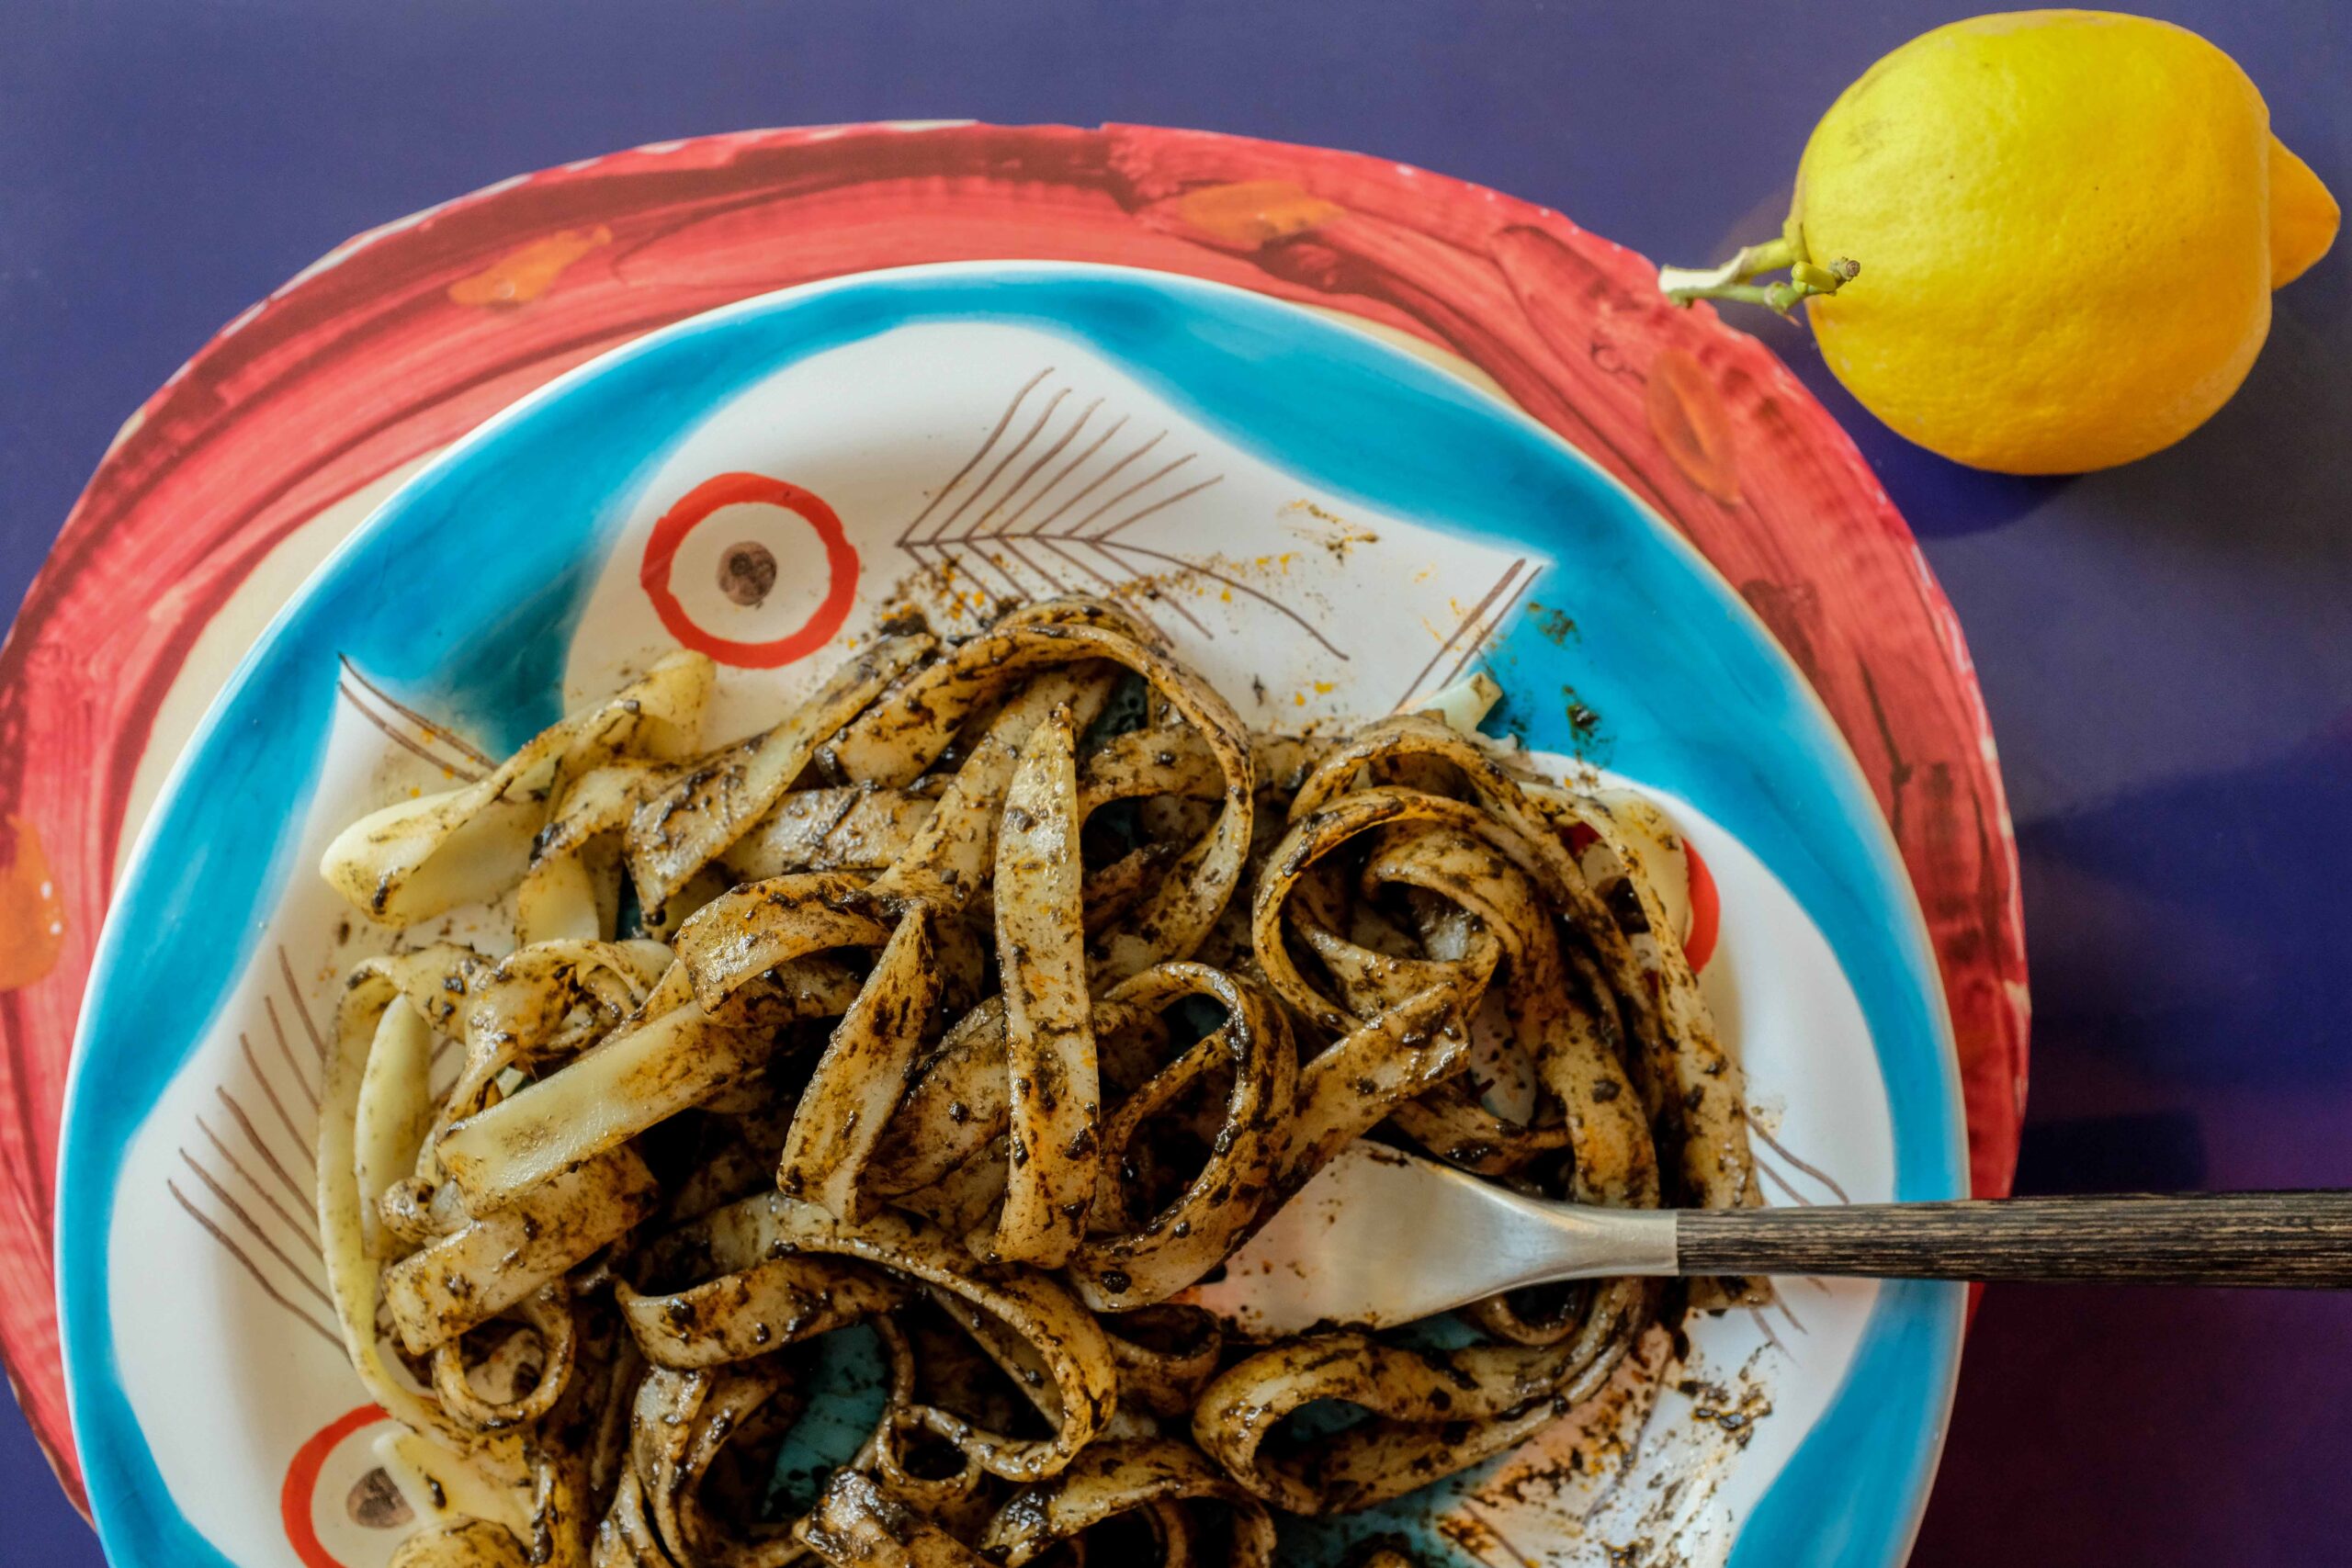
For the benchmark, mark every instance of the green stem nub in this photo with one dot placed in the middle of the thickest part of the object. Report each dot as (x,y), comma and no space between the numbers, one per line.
(1734,279)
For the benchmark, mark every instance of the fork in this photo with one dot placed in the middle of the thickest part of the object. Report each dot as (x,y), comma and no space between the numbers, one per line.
(1379,1236)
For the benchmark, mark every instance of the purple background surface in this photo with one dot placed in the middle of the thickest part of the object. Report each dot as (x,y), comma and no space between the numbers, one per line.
(2166,650)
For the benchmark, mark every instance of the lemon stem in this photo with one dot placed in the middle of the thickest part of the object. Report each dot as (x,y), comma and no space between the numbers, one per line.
(1734,279)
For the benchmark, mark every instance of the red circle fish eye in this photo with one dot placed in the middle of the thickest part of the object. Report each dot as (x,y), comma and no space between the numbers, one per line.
(750,489)
(301,1481)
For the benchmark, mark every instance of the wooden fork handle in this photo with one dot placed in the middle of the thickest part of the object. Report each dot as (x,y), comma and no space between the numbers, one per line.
(2301,1240)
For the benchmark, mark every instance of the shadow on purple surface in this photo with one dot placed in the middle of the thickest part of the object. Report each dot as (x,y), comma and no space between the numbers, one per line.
(2196,929)
(2160,1151)
(2146,1426)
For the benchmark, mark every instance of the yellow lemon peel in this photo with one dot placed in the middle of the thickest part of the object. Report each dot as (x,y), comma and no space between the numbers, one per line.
(2042,241)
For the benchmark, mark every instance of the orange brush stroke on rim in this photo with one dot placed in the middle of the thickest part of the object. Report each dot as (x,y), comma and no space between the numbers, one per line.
(528,271)
(1248,213)
(1688,418)
(32,918)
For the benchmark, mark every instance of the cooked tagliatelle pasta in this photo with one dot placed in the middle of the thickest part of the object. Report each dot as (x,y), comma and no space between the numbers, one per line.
(973,1012)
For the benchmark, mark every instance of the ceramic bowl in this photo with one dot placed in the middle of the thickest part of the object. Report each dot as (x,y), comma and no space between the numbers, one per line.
(1329,528)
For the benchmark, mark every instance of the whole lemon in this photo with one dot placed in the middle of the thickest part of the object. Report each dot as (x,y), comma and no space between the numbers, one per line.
(2066,226)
